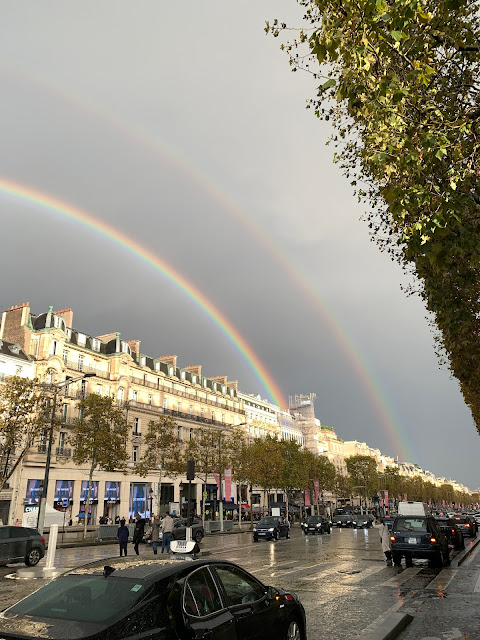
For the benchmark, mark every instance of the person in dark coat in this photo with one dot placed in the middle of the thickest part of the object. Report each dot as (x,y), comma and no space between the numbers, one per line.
(138,533)
(122,535)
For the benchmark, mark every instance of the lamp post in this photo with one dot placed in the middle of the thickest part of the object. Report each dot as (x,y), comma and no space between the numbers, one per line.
(43,500)
(150,497)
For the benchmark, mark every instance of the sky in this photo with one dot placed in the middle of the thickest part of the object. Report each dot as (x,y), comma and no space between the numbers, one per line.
(182,127)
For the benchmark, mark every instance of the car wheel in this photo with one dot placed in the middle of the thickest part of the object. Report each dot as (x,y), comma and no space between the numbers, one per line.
(293,631)
(198,536)
(33,557)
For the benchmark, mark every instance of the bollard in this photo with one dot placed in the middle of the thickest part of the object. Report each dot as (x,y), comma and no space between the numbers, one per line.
(52,546)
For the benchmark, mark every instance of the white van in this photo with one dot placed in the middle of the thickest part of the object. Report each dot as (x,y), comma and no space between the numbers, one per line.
(411,508)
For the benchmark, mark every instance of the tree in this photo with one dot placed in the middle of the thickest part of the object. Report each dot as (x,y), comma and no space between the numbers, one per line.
(99,439)
(399,82)
(212,449)
(318,469)
(293,471)
(267,463)
(23,415)
(363,475)
(161,451)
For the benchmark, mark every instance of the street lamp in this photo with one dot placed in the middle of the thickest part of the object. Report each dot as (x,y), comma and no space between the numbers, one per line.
(43,501)
(150,497)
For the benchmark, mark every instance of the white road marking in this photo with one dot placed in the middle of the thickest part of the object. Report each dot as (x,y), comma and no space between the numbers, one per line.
(402,577)
(477,586)
(443,579)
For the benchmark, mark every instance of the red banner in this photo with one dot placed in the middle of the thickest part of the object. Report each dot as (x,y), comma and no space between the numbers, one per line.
(307,499)
(386,497)
(228,484)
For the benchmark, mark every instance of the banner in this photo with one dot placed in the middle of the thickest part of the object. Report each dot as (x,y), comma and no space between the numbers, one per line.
(316,485)
(228,484)
(307,498)
(386,497)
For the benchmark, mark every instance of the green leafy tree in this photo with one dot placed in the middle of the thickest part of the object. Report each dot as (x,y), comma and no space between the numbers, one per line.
(399,83)
(99,439)
(342,486)
(213,452)
(319,469)
(24,414)
(363,475)
(161,451)
(293,472)
(267,463)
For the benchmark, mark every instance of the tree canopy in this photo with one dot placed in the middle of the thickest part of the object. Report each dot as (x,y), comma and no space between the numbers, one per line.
(399,80)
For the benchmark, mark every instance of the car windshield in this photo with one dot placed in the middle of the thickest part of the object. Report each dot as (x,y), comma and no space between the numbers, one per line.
(82,598)
(314,519)
(269,520)
(411,524)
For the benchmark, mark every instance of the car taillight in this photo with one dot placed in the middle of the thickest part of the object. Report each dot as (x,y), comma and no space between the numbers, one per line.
(453,531)
(43,540)
(288,596)
(433,540)
(392,538)
(466,524)
(457,518)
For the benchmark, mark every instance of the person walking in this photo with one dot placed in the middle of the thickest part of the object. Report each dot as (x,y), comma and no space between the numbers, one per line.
(138,533)
(122,535)
(155,533)
(386,544)
(167,531)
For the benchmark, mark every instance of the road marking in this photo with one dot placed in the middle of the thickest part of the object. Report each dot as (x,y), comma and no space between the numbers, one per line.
(402,577)
(477,585)
(443,579)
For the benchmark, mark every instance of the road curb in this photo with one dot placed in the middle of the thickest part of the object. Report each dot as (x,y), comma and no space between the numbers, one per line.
(464,554)
(389,628)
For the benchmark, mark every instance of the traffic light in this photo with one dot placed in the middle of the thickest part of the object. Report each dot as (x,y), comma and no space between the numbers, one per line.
(190,469)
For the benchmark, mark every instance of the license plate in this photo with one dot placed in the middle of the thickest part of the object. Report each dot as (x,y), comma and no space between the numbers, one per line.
(412,540)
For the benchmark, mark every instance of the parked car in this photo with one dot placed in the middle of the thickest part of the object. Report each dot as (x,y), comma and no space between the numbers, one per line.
(21,544)
(365,522)
(315,524)
(418,537)
(180,530)
(168,600)
(452,533)
(271,528)
(467,525)
(344,520)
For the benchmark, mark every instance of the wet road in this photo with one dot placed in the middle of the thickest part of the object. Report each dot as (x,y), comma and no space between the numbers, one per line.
(341,579)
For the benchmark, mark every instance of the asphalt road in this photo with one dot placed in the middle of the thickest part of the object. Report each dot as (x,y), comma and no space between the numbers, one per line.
(341,579)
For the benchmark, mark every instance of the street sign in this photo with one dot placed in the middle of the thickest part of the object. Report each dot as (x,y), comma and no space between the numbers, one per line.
(64,503)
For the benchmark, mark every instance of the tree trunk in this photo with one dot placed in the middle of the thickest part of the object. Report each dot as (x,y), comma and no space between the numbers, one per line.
(159,492)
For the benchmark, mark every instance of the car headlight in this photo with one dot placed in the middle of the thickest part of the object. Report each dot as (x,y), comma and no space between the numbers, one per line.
(319,525)
(272,529)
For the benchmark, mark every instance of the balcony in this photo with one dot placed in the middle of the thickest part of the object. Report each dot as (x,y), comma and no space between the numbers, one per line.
(62,452)
(42,448)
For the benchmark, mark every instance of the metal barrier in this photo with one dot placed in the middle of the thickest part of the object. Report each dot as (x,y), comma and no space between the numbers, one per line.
(108,531)
(211,526)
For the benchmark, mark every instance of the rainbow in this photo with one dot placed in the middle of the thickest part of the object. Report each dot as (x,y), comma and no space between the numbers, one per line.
(370,382)
(37,198)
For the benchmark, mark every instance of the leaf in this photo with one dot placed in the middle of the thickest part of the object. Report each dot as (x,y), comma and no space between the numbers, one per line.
(326,85)
(396,35)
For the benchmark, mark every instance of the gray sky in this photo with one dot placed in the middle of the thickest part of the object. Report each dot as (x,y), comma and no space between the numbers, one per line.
(181,125)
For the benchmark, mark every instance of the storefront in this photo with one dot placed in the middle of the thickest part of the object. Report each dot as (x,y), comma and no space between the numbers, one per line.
(93,502)
(111,500)
(141,498)
(33,493)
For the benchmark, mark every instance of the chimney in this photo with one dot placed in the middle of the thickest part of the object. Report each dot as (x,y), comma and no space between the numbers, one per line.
(220,379)
(134,346)
(169,360)
(67,315)
(195,369)
(14,327)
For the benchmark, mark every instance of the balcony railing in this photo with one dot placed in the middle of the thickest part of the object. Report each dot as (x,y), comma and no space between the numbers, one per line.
(62,452)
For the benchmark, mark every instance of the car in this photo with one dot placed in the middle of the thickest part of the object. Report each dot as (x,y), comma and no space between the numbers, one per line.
(467,525)
(316,524)
(344,520)
(360,522)
(21,544)
(166,600)
(180,531)
(418,537)
(271,528)
(452,533)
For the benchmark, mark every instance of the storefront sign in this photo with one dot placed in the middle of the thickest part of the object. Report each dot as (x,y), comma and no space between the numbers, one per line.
(34,492)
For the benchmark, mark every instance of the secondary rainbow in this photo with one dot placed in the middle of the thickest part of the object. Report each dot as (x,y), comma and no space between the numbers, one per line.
(73,213)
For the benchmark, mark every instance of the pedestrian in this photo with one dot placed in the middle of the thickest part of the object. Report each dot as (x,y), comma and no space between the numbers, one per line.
(167,531)
(122,535)
(117,519)
(155,533)
(138,532)
(386,544)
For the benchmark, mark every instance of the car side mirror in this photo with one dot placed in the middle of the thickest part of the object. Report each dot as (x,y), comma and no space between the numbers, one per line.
(271,593)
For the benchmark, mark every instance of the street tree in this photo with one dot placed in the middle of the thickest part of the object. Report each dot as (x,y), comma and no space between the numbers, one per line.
(24,415)
(212,449)
(363,475)
(99,439)
(293,471)
(161,451)
(399,83)
(267,463)
(318,470)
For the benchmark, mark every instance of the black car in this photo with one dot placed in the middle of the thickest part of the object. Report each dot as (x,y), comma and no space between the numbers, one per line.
(271,528)
(452,533)
(418,537)
(180,529)
(21,544)
(161,600)
(362,522)
(316,524)
(345,520)
(467,525)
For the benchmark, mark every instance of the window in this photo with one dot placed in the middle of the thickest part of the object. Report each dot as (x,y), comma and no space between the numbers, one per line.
(65,356)
(81,339)
(239,587)
(201,595)
(165,403)
(80,363)
(143,361)
(190,435)
(121,393)
(213,415)
(61,440)
(223,418)
(84,388)
(150,399)
(135,395)
(179,407)
(134,454)
(183,375)
(136,425)
(170,371)
(179,433)
(194,379)
(58,322)
(53,347)
(64,412)
(99,390)
(201,412)
(191,410)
